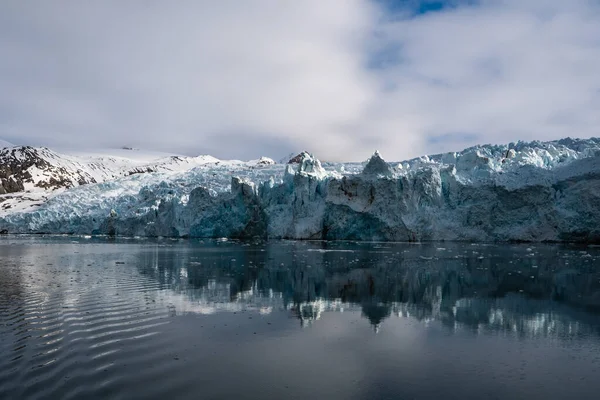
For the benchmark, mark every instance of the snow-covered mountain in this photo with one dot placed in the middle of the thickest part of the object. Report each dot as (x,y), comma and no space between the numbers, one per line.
(31,175)
(522,191)
(4,143)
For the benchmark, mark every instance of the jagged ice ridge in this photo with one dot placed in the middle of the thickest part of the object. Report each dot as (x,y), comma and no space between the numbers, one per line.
(538,191)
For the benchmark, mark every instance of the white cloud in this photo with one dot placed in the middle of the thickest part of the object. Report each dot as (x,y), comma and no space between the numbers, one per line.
(235,77)
(503,70)
(175,74)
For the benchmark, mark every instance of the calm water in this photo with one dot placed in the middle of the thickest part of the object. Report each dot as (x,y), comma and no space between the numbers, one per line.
(95,319)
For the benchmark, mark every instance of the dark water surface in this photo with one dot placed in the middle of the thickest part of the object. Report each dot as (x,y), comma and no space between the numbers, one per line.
(135,319)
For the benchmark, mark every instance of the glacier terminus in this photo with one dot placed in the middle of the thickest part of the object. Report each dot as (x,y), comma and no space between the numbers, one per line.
(524,191)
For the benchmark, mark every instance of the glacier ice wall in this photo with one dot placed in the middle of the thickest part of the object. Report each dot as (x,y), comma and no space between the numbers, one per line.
(538,191)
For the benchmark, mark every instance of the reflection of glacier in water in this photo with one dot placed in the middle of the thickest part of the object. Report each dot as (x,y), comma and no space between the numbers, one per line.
(544,290)
(92,318)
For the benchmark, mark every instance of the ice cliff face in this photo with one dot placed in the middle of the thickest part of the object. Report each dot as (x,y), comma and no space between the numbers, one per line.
(524,192)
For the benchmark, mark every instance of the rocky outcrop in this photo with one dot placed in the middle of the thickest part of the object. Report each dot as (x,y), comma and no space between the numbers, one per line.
(29,167)
(298,158)
(265,161)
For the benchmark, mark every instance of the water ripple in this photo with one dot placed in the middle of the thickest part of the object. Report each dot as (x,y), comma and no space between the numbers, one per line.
(64,326)
(75,324)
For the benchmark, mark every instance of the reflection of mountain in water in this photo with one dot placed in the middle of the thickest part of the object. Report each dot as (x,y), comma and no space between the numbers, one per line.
(548,290)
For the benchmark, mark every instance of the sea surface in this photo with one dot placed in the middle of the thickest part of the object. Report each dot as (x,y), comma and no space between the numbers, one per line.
(94,318)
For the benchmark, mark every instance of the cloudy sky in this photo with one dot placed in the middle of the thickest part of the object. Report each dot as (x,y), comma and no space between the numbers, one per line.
(340,78)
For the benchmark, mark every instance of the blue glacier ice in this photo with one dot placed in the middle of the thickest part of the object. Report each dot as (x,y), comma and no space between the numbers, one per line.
(524,191)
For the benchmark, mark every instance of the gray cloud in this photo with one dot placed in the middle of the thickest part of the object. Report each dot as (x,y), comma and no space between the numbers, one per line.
(339,78)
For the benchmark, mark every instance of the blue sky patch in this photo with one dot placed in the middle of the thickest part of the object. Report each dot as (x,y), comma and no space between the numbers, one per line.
(421,7)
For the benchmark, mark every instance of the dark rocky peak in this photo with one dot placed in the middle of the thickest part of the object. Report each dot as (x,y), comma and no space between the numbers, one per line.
(376,166)
(37,167)
(298,159)
(265,161)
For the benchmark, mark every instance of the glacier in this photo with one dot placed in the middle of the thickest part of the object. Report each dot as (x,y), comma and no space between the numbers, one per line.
(524,191)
